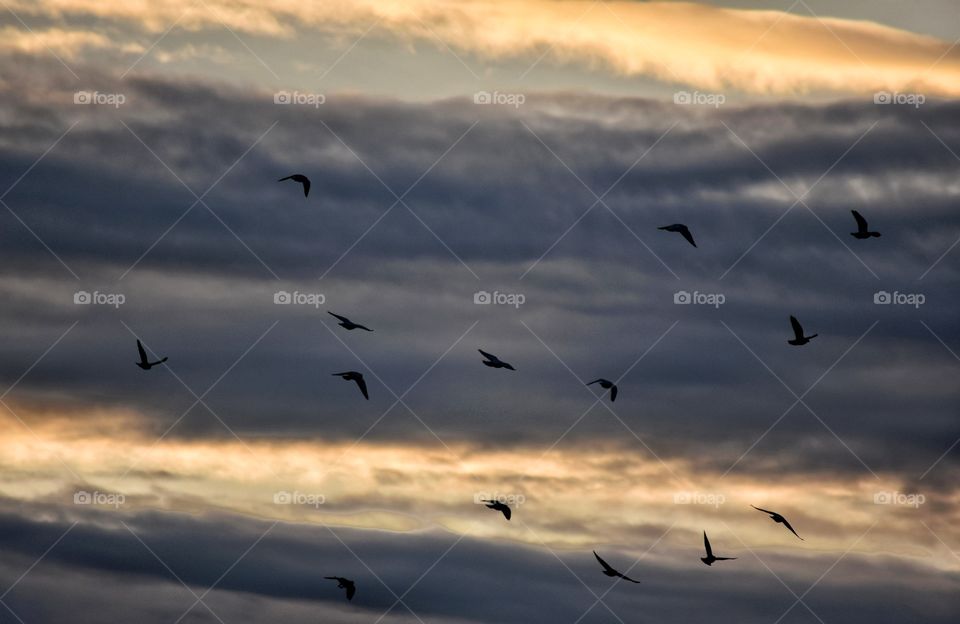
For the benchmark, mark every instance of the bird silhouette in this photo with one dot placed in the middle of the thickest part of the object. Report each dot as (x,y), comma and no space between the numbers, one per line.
(346,584)
(778,519)
(501,507)
(607,385)
(347,323)
(799,339)
(302,179)
(863,231)
(680,228)
(357,377)
(493,361)
(709,559)
(144,363)
(610,571)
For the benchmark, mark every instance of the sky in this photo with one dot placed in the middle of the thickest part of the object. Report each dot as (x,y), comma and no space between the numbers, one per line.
(485,175)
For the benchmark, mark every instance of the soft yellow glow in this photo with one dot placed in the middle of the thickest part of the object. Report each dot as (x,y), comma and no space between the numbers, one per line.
(686,43)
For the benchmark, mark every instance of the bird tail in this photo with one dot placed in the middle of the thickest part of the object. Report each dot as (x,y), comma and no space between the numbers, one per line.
(875,234)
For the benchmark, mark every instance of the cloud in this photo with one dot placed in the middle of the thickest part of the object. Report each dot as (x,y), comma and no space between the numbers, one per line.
(712,48)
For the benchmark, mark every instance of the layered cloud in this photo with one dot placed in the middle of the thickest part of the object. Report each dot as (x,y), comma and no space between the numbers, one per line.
(757,52)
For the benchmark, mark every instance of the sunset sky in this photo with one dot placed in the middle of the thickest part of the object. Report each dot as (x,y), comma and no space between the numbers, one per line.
(523,152)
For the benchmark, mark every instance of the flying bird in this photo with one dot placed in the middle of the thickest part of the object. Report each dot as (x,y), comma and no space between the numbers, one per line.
(144,363)
(347,323)
(610,571)
(799,339)
(357,377)
(709,559)
(302,179)
(501,507)
(607,385)
(493,361)
(863,231)
(680,229)
(778,519)
(346,584)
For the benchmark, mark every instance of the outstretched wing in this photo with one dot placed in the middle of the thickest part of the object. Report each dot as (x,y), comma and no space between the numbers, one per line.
(797,327)
(706,544)
(594,381)
(787,524)
(489,356)
(342,318)
(606,566)
(363,387)
(687,235)
(351,590)
(613,393)
(143,354)
(306,191)
(861,222)
(507,512)
(763,510)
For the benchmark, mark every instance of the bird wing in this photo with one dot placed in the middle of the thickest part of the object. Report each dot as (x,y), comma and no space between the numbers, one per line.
(763,510)
(363,387)
(594,381)
(627,578)
(289,177)
(306,186)
(787,524)
(333,578)
(351,590)
(706,544)
(861,222)
(613,393)
(143,354)
(489,356)
(687,235)
(342,318)
(797,328)
(606,566)
(507,512)
(363,327)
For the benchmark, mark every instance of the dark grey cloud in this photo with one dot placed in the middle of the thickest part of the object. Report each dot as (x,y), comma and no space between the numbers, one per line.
(498,201)
(106,573)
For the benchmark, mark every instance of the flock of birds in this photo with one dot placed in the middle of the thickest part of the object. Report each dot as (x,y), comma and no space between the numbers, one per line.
(800,338)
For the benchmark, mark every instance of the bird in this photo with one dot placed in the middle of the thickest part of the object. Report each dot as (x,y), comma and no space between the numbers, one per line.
(501,507)
(862,230)
(357,377)
(302,179)
(346,584)
(709,559)
(799,339)
(610,571)
(680,229)
(493,361)
(778,519)
(607,385)
(347,323)
(144,363)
